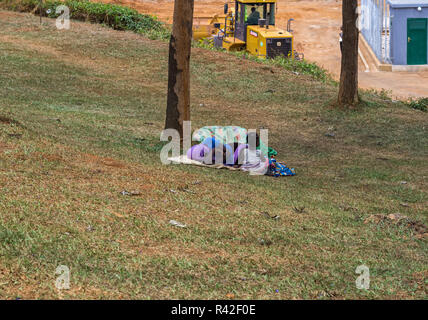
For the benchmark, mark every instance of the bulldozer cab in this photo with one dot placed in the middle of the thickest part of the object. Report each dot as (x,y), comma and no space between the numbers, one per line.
(248,12)
(250,26)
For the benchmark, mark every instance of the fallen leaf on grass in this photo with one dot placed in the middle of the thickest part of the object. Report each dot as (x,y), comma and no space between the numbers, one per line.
(177,224)
(267,215)
(185,189)
(127,193)
(299,209)
(265,242)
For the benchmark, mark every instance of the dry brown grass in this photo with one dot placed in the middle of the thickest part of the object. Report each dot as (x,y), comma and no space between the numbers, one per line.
(91,106)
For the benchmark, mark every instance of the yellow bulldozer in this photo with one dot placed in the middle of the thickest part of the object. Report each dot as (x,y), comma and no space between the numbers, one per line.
(249,26)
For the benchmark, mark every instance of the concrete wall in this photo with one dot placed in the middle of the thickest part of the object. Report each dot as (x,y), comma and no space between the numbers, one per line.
(371,24)
(399,18)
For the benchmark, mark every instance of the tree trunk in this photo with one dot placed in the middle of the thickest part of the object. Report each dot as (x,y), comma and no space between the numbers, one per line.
(348,90)
(40,10)
(178,100)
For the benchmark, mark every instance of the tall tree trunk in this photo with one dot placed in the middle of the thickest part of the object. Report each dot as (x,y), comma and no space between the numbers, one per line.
(178,100)
(348,90)
(40,10)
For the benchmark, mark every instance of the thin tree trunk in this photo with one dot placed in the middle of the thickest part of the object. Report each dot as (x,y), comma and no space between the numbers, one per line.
(348,90)
(40,10)
(178,100)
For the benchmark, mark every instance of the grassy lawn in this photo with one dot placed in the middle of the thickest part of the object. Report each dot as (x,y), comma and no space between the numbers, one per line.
(81,113)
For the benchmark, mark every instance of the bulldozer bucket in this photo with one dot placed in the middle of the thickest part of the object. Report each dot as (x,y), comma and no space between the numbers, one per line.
(203,26)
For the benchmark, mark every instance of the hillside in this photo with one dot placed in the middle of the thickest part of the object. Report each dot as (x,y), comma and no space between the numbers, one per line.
(81,113)
(316,29)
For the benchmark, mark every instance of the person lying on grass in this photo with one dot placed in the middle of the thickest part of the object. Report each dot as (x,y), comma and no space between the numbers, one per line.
(246,156)
(232,135)
(257,159)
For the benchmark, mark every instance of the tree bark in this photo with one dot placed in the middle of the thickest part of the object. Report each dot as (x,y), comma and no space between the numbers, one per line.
(348,90)
(178,99)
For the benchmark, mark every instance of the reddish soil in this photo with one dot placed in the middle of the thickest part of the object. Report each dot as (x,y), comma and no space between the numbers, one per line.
(316,29)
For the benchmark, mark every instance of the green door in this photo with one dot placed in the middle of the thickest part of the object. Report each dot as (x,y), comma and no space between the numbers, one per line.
(417,41)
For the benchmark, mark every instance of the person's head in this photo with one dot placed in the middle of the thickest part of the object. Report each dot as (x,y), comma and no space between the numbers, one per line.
(253,9)
(251,137)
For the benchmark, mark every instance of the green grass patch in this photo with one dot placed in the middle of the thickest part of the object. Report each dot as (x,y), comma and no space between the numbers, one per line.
(419,104)
(115,16)
(297,66)
(124,18)
(81,112)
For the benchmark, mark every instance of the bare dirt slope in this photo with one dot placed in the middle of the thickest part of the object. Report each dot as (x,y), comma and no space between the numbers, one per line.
(316,28)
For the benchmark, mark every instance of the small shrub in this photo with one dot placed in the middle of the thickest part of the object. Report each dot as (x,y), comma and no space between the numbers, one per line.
(115,16)
(302,67)
(419,104)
